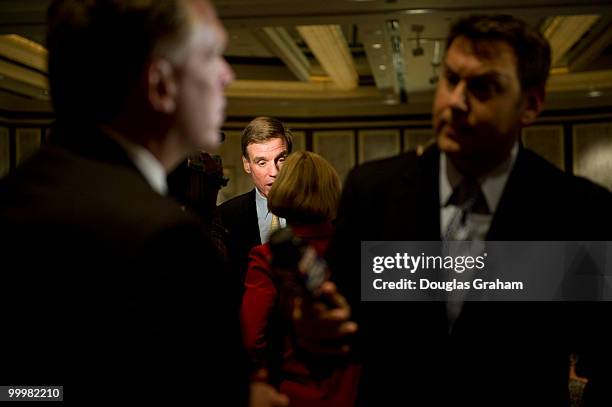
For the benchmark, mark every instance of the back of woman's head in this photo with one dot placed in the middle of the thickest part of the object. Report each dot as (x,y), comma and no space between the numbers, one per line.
(307,189)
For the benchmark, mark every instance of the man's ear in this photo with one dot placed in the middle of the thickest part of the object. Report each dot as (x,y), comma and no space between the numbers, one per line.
(246,166)
(161,86)
(534,101)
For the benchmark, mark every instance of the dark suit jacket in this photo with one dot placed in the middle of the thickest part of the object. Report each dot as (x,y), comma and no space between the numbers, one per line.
(239,216)
(498,353)
(114,291)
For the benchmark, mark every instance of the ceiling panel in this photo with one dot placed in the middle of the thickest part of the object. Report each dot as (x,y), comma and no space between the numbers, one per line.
(363,24)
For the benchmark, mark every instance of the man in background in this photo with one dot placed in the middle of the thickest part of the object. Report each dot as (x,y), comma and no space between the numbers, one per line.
(265,144)
(120,294)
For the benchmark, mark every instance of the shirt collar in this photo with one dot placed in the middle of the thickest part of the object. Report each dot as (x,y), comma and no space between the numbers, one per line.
(260,198)
(492,183)
(146,163)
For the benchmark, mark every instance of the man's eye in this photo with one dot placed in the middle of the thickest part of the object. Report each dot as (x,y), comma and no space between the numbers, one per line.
(451,78)
(261,163)
(211,52)
(482,88)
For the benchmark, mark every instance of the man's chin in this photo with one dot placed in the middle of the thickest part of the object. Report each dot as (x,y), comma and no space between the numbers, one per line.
(449,146)
(211,141)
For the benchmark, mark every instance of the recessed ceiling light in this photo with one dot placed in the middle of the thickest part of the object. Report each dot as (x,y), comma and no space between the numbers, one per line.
(595,93)
(417,11)
(377,46)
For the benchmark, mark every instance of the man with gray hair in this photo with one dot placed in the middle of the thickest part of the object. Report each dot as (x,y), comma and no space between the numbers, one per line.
(122,295)
(265,144)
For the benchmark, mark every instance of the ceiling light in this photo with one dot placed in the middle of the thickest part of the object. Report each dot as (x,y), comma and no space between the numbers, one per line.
(382,67)
(436,58)
(377,46)
(595,93)
(417,11)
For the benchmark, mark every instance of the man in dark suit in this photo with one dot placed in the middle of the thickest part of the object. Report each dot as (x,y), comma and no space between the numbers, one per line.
(265,144)
(473,353)
(120,295)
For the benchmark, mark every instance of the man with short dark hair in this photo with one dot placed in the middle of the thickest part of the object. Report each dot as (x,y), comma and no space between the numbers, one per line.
(265,143)
(121,296)
(493,84)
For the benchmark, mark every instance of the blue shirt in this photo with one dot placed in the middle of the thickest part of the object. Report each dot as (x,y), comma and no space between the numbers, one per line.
(264,216)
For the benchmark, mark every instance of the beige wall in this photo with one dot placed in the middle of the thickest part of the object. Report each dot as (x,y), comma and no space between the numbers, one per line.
(349,143)
(583,141)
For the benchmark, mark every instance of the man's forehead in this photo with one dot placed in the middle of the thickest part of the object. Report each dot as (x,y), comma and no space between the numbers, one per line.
(206,17)
(487,55)
(203,9)
(267,146)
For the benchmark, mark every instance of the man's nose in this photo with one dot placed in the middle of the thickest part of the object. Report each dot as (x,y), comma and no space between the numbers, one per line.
(458,97)
(227,74)
(273,169)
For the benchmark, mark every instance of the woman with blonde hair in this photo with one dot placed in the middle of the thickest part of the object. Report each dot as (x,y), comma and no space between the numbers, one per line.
(306,193)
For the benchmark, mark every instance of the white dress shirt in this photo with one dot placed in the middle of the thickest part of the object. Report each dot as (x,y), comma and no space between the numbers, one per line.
(492,185)
(476,226)
(264,216)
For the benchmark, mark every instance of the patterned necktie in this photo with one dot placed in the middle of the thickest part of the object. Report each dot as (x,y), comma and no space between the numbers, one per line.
(468,197)
(275,224)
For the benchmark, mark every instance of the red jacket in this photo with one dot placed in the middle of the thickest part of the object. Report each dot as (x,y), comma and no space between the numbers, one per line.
(268,339)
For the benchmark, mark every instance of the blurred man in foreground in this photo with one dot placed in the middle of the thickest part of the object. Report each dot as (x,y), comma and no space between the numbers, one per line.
(478,183)
(120,294)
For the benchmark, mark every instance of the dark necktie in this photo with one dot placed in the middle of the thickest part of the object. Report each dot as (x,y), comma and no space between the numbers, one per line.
(468,197)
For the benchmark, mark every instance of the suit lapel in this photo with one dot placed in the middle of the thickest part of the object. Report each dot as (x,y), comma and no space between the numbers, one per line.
(508,221)
(428,195)
(412,211)
(253,222)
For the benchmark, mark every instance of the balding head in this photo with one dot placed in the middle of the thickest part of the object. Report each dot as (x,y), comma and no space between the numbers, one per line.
(98,49)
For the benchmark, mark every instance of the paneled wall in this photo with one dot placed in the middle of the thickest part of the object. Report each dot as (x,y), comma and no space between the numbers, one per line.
(579,143)
(579,146)
(18,141)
